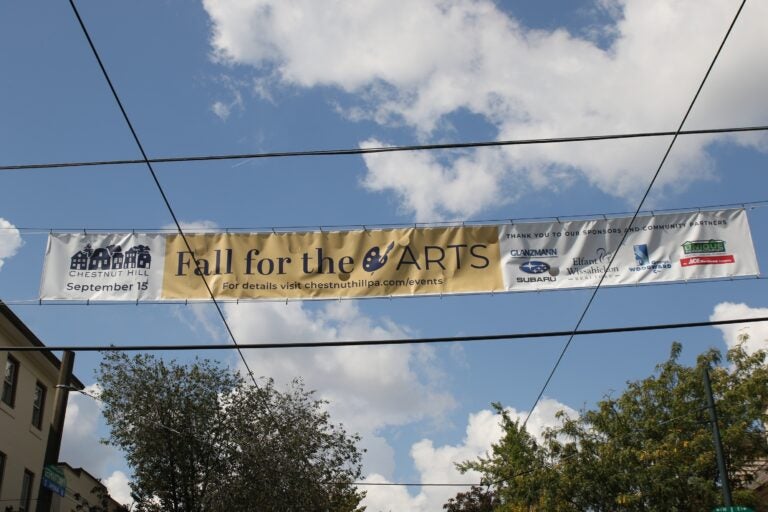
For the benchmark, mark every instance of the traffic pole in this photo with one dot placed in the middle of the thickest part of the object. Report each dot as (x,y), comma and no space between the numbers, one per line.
(56,430)
(728,502)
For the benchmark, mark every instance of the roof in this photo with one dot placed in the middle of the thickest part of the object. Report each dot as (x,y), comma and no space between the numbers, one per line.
(79,472)
(35,341)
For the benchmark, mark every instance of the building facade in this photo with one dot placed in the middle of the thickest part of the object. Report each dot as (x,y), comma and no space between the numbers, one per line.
(27,397)
(84,493)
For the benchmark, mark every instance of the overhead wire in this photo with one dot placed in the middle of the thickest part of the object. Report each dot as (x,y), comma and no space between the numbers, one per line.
(148,162)
(752,205)
(145,160)
(381,342)
(285,300)
(637,212)
(447,484)
(383,149)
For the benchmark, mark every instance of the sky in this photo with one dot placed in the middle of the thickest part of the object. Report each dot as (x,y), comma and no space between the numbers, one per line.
(246,76)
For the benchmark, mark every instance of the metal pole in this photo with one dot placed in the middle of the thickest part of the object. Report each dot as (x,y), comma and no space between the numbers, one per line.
(56,429)
(718,443)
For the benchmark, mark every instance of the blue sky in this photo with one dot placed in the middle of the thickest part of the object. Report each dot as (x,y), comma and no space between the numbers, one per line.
(240,77)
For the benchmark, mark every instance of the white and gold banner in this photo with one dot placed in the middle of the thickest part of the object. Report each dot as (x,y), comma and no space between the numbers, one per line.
(398,262)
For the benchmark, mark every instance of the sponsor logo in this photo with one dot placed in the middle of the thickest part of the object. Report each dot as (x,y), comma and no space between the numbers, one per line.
(641,254)
(585,268)
(707,260)
(533,253)
(702,249)
(534,267)
(537,279)
(703,246)
(538,268)
(644,261)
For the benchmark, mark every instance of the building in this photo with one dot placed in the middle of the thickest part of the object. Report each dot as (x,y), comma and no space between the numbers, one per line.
(84,492)
(27,397)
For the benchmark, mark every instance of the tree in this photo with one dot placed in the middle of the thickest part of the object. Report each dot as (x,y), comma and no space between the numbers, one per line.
(477,499)
(650,449)
(199,438)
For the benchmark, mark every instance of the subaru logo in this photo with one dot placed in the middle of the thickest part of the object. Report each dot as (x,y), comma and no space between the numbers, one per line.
(534,267)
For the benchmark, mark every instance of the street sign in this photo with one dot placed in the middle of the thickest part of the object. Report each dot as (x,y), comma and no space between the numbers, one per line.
(733,509)
(53,479)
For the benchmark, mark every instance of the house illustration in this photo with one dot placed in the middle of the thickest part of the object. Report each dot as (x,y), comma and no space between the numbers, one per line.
(111,257)
(138,257)
(100,260)
(80,260)
(117,256)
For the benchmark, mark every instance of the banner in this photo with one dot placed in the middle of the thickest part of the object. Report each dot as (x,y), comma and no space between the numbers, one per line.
(398,262)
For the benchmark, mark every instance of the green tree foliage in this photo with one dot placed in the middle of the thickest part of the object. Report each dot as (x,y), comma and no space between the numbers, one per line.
(199,438)
(650,449)
(477,499)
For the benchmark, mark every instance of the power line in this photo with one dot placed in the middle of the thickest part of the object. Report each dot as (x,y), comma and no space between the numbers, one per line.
(637,212)
(187,302)
(524,472)
(444,484)
(332,227)
(146,161)
(382,149)
(381,342)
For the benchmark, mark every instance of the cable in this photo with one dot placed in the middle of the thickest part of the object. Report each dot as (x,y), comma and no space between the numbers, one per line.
(334,227)
(525,472)
(145,160)
(380,342)
(384,149)
(437,484)
(99,399)
(186,302)
(637,212)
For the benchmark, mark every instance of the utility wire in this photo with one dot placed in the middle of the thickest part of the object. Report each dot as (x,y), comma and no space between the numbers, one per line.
(573,333)
(99,399)
(66,303)
(380,342)
(383,149)
(527,471)
(334,227)
(145,160)
(438,484)
(637,212)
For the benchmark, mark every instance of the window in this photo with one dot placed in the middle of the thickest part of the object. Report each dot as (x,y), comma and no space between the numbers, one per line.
(38,405)
(2,469)
(9,381)
(26,490)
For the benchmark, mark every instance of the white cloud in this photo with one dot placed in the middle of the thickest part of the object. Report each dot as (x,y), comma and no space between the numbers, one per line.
(118,488)
(468,183)
(757,332)
(194,226)
(221,110)
(10,240)
(438,464)
(416,64)
(199,316)
(368,387)
(80,446)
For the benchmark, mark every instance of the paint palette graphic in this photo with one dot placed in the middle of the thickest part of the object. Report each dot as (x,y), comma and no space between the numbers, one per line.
(374,260)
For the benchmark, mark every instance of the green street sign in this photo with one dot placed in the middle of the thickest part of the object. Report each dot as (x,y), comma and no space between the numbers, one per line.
(53,479)
(733,509)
